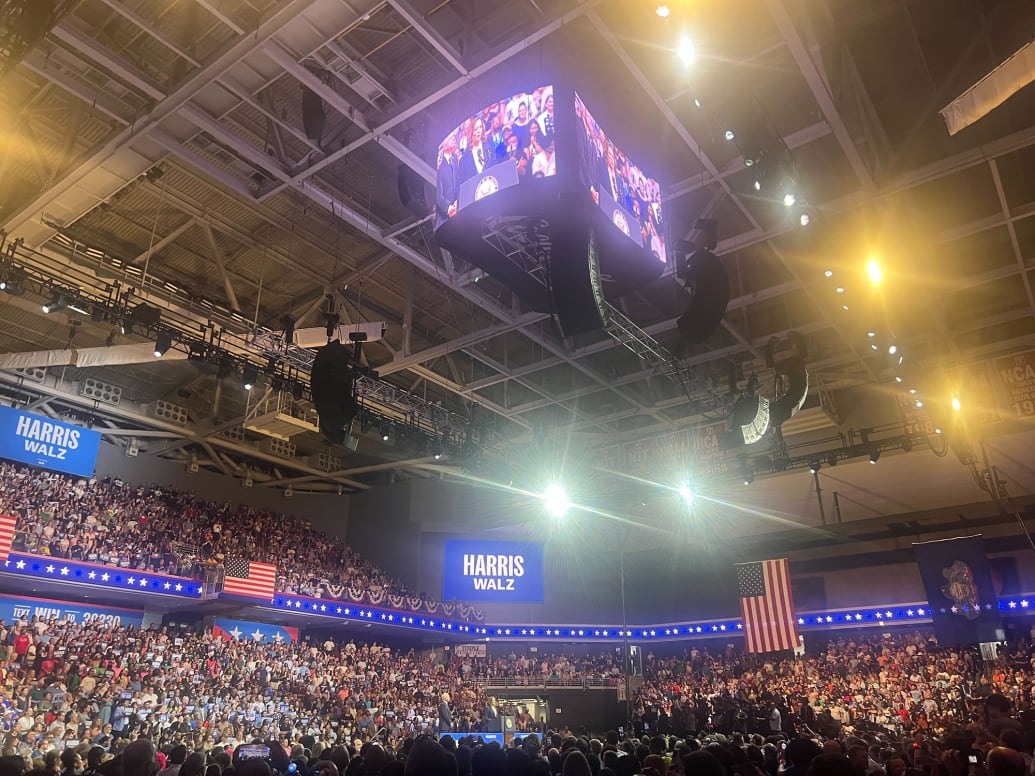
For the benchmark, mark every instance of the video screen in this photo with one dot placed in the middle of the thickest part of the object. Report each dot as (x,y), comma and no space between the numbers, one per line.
(630,198)
(505,143)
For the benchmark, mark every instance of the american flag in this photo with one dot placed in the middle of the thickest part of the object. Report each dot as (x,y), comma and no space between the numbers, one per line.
(255,580)
(766,604)
(7,525)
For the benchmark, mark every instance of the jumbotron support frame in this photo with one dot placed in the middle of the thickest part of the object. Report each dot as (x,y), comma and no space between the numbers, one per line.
(523,241)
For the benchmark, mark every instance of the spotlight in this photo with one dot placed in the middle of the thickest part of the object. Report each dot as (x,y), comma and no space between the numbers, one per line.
(697,102)
(901,359)
(828,273)
(57,302)
(840,289)
(871,334)
(804,219)
(729,135)
(436,449)
(874,271)
(385,429)
(556,500)
(748,478)
(663,11)
(898,378)
(162,343)
(844,307)
(249,376)
(758,185)
(912,390)
(875,455)
(956,403)
(814,466)
(892,349)
(686,492)
(873,345)
(687,52)
(789,199)
(919,403)
(937,431)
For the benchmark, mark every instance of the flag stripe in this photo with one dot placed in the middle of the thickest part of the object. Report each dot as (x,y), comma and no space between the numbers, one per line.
(255,580)
(767,606)
(7,526)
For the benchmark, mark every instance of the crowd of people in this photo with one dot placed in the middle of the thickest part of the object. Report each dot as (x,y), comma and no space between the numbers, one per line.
(520,129)
(75,697)
(162,530)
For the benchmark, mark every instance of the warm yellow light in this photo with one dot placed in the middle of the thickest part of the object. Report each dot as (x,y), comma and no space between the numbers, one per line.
(663,11)
(956,403)
(686,50)
(873,270)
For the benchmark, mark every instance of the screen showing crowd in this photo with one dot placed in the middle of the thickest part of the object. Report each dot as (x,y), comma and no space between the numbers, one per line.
(630,198)
(507,142)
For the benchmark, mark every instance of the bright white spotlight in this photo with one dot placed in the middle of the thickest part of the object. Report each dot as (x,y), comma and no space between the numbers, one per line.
(758,185)
(697,102)
(956,403)
(663,11)
(555,499)
(804,219)
(892,349)
(686,50)
(871,334)
(789,199)
(874,271)
(686,492)
(828,273)
(729,134)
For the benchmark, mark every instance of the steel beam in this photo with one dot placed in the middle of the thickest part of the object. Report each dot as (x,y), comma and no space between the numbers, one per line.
(1014,242)
(429,33)
(144,25)
(82,45)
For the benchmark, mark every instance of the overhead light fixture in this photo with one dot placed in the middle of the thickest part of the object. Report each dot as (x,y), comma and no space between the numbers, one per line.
(249,376)
(555,499)
(804,219)
(686,492)
(162,343)
(844,307)
(874,271)
(758,185)
(814,466)
(871,334)
(956,403)
(436,449)
(663,11)
(919,403)
(875,455)
(873,345)
(697,102)
(898,378)
(892,349)
(57,302)
(840,289)
(748,478)
(686,51)
(789,199)
(385,430)
(912,390)
(937,431)
(828,273)
(730,135)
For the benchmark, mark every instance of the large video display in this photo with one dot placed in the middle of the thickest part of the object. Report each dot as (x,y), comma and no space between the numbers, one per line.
(498,572)
(630,198)
(41,441)
(505,143)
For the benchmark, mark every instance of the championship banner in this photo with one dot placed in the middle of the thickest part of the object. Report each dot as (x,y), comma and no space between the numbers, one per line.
(963,602)
(51,444)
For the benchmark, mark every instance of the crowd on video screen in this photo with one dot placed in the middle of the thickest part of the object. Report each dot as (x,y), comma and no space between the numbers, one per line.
(519,129)
(606,170)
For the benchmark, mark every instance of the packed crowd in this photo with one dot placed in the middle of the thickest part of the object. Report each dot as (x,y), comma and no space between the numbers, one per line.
(72,695)
(162,530)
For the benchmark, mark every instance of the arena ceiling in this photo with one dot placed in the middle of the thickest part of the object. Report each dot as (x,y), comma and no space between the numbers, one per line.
(160,144)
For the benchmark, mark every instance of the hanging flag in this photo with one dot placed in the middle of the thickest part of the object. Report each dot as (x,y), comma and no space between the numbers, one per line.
(247,578)
(964,604)
(767,606)
(7,526)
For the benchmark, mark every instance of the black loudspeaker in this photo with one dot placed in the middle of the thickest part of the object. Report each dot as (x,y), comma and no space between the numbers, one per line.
(313,117)
(574,284)
(332,384)
(412,192)
(709,286)
(145,315)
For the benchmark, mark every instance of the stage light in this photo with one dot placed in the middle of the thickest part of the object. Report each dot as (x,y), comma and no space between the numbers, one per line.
(814,466)
(729,135)
(686,492)
(828,273)
(749,478)
(663,11)
(898,378)
(937,431)
(162,343)
(892,349)
(804,219)
(687,52)
(912,390)
(697,103)
(436,449)
(789,199)
(956,403)
(57,302)
(875,455)
(249,376)
(385,429)
(844,307)
(901,359)
(873,346)
(556,500)
(758,185)
(871,334)
(919,403)
(840,289)
(874,271)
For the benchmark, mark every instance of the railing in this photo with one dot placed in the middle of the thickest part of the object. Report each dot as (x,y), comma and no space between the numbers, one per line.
(541,683)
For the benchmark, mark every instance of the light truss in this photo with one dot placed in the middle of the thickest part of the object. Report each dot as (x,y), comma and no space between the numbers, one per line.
(523,241)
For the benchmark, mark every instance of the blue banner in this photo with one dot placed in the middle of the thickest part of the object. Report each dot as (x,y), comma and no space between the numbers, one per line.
(500,572)
(40,441)
(78,572)
(14,608)
(963,601)
(243,630)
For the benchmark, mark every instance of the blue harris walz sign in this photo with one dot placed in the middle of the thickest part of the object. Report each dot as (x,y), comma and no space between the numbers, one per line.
(51,444)
(503,572)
